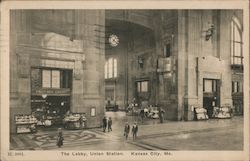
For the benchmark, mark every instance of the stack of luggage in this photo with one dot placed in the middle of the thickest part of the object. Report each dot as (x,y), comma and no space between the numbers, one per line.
(201,113)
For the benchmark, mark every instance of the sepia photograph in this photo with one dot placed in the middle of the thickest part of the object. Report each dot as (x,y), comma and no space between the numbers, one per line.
(126,82)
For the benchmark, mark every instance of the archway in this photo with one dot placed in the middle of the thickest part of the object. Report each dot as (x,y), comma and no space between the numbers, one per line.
(129,54)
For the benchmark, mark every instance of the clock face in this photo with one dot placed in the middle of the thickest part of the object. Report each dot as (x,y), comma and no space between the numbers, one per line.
(113,40)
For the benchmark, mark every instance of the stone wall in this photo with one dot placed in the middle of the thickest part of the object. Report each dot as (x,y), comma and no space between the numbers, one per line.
(199,58)
(42,38)
(167,33)
(34,45)
(19,69)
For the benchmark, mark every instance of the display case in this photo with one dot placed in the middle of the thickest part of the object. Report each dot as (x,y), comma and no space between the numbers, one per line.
(25,123)
(75,121)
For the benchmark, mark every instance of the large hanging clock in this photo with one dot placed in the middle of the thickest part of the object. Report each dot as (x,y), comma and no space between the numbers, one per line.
(113,40)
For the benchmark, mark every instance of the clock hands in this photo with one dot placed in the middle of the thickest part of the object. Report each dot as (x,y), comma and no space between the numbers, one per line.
(113,39)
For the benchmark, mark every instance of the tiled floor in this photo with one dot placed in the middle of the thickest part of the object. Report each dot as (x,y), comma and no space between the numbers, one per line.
(203,135)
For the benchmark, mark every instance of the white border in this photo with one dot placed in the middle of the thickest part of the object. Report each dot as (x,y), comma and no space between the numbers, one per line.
(177,155)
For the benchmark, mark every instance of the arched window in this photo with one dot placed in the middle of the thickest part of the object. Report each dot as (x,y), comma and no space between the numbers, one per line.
(110,68)
(106,70)
(236,42)
(115,68)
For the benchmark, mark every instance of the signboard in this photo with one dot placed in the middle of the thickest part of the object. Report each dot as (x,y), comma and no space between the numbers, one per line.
(164,65)
(92,111)
(52,92)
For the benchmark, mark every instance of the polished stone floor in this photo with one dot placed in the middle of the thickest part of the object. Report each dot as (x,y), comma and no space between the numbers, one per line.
(215,134)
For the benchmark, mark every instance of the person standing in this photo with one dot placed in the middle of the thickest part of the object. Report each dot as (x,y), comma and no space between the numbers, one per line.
(195,114)
(135,130)
(142,115)
(126,130)
(104,123)
(146,112)
(81,121)
(160,113)
(59,138)
(109,124)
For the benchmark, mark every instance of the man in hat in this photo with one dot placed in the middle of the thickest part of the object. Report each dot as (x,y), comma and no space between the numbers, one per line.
(126,130)
(104,123)
(59,138)
(109,124)
(135,130)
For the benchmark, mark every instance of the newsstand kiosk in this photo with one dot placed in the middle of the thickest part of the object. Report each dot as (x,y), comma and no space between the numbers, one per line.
(25,123)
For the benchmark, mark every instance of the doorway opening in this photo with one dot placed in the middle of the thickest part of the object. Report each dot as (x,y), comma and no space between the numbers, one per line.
(211,95)
(128,47)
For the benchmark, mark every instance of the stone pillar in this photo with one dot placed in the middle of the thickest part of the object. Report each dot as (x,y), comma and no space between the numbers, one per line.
(20,101)
(182,61)
(77,88)
(195,39)
(20,88)
(166,91)
(88,81)
(226,82)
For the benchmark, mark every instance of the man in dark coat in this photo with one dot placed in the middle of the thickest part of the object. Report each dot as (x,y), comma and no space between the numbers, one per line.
(142,114)
(60,138)
(126,130)
(109,124)
(104,123)
(160,113)
(135,130)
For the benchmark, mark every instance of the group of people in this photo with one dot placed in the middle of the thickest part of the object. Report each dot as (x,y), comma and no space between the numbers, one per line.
(143,110)
(107,122)
(146,113)
(134,130)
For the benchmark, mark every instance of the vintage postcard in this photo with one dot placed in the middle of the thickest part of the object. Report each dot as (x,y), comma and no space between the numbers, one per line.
(125,80)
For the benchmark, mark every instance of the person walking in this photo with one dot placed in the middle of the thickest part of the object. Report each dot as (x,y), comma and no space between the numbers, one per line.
(126,130)
(59,138)
(109,124)
(104,123)
(135,130)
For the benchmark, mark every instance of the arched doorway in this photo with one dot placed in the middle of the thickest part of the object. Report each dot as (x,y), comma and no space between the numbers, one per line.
(129,59)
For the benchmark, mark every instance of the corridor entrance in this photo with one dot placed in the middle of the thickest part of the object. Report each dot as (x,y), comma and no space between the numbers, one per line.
(211,95)
(128,62)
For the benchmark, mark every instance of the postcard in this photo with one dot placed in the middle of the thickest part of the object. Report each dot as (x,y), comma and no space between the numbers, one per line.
(125,80)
